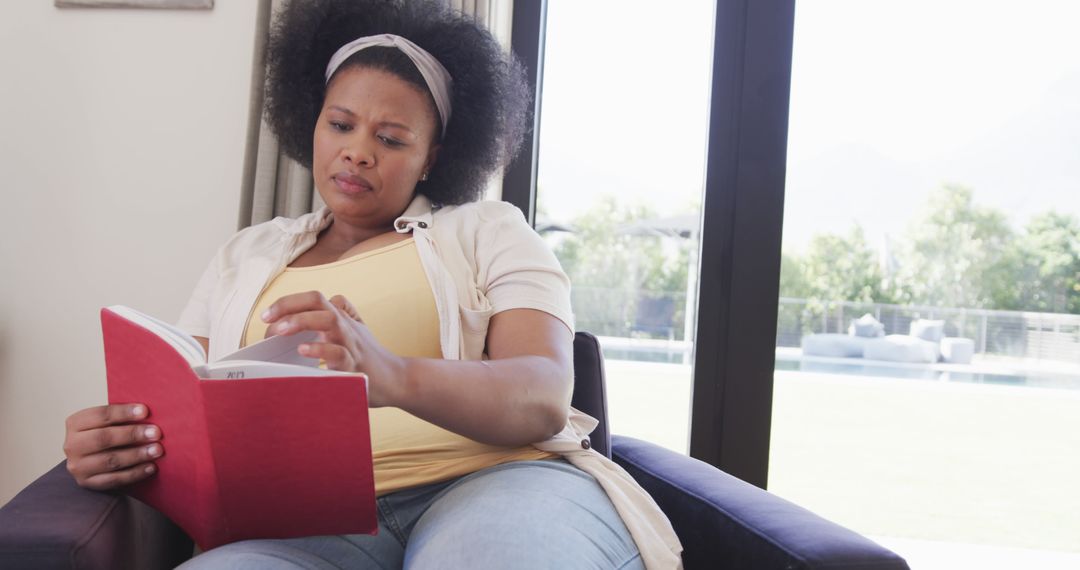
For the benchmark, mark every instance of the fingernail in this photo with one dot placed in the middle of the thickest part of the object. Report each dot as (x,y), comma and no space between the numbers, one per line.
(266,315)
(304,348)
(282,327)
(153,450)
(150,432)
(149,468)
(138,411)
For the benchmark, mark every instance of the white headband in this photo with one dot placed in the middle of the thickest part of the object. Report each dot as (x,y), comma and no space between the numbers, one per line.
(435,75)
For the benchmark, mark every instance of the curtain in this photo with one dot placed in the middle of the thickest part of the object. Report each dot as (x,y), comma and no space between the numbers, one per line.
(275,185)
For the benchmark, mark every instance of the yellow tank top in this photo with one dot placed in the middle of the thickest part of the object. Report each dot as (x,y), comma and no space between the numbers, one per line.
(393,297)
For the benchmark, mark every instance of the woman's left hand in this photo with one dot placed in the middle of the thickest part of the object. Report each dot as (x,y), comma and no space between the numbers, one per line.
(345,343)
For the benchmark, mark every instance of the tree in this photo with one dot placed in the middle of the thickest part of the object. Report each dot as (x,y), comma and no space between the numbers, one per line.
(957,254)
(1049,253)
(793,281)
(841,268)
(613,271)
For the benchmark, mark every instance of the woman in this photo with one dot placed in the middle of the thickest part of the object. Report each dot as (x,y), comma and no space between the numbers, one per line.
(455,309)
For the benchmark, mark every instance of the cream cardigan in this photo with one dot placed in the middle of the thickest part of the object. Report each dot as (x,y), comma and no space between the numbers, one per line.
(480,258)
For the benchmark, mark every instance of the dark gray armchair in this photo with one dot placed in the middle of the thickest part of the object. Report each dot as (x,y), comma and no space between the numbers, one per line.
(721,521)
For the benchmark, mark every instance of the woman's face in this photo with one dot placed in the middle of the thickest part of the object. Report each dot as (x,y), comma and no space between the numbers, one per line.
(374,139)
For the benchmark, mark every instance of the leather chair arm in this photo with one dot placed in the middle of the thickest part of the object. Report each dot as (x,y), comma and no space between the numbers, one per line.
(724,522)
(54,523)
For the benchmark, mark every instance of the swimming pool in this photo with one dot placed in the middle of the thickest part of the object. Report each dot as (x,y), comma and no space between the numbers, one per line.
(884,370)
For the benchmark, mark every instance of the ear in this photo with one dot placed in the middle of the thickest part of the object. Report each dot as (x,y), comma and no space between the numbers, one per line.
(433,155)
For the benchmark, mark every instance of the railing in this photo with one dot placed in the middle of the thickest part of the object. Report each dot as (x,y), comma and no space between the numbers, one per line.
(1019,334)
(649,325)
(629,312)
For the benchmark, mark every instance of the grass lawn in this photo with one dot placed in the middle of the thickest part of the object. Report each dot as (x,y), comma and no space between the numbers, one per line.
(969,463)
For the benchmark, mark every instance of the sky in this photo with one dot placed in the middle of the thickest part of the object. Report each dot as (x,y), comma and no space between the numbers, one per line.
(889,101)
(625,103)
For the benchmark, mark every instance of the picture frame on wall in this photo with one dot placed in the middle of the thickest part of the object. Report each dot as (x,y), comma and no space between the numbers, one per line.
(153,4)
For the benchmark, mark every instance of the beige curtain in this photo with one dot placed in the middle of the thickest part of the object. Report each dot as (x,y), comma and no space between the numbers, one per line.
(275,185)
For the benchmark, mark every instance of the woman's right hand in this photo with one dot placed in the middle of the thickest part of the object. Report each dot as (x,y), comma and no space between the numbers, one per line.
(105,451)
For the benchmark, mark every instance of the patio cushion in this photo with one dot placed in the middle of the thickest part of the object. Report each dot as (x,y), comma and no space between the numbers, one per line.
(832,344)
(866,326)
(927,329)
(957,350)
(901,348)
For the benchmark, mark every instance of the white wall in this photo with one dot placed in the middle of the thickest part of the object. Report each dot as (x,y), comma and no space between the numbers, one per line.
(121,155)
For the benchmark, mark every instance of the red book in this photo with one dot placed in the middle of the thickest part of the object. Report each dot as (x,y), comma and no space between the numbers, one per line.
(270,457)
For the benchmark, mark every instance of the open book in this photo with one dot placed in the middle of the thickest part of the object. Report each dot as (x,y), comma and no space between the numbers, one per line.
(260,444)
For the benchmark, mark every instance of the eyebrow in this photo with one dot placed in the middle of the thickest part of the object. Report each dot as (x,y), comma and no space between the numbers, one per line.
(385,123)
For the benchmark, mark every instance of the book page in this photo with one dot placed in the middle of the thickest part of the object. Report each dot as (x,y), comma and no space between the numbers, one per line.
(280,348)
(248,369)
(182,342)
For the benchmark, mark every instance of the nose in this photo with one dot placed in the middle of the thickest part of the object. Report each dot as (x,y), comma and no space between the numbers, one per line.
(359,152)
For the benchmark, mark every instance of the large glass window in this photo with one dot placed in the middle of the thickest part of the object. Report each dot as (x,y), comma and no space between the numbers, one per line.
(927,384)
(621,170)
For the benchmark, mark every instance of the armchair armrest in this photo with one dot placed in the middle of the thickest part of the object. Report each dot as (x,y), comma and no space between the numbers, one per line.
(54,523)
(724,522)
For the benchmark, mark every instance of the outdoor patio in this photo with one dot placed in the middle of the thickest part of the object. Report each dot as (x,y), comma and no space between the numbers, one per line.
(920,463)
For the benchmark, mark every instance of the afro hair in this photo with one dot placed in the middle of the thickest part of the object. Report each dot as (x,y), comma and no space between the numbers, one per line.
(490,99)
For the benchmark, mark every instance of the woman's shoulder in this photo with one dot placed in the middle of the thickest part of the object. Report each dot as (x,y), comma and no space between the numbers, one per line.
(480,213)
(486,228)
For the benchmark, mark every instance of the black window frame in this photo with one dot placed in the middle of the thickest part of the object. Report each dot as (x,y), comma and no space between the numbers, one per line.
(742,218)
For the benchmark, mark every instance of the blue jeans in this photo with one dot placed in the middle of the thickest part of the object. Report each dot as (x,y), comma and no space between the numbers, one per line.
(525,514)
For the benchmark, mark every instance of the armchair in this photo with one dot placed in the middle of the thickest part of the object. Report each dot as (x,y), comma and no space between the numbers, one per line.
(721,521)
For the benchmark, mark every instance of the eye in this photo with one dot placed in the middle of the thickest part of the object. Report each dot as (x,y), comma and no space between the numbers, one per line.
(391,141)
(340,126)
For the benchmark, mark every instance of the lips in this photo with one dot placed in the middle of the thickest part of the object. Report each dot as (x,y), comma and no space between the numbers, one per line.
(352,183)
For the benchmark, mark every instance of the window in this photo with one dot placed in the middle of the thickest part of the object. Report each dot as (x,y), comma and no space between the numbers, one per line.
(621,172)
(934,187)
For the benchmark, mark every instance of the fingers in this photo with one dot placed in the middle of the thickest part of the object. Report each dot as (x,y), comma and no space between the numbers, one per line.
(327,321)
(295,303)
(337,319)
(305,311)
(83,443)
(101,416)
(335,356)
(102,455)
(116,459)
(345,306)
(333,322)
(111,480)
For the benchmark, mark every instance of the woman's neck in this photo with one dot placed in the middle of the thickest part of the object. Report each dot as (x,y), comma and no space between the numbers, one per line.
(343,236)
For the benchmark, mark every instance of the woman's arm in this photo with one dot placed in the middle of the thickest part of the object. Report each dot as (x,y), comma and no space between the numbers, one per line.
(520,396)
